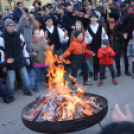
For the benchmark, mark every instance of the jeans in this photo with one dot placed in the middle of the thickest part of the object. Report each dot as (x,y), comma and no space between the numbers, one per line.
(89,66)
(2,91)
(117,58)
(85,72)
(103,68)
(38,72)
(11,80)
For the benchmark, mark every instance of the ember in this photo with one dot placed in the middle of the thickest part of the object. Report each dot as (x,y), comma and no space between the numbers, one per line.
(60,104)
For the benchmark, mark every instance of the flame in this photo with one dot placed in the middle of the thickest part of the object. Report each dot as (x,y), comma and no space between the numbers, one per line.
(66,107)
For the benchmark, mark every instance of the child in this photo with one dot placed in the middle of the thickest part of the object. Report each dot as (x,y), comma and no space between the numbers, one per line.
(2,89)
(77,51)
(36,49)
(130,51)
(96,33)
(79,26)
(105,55)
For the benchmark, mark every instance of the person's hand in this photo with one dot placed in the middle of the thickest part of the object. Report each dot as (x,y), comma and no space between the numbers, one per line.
(10,60)
(104,53)
(118,116)
(73,27)
(61,57)
(46,35)
(65,33)
(104,34)
(108,10)
(109,51)
(25,15)
(94,54)
(4,69)
(47,10)
(86,16)
(125,36)
(52,47)
(87,35)
(28,62)
(35,54)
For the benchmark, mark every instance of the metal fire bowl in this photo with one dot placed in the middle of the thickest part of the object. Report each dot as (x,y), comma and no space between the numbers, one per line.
(66,126)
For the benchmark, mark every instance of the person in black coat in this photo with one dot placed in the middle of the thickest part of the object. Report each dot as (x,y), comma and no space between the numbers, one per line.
(121,37)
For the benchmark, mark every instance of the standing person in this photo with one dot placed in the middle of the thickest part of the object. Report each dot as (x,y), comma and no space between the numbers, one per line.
(37,48)
(76,6)
(2,89)
(96,33)
(120,42)
(18,11)
(106,54)
(53,35)
(79,27)
(130,52)
(14,47)
(77,51)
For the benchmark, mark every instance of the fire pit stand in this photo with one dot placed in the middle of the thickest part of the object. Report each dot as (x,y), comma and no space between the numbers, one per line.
(69,125)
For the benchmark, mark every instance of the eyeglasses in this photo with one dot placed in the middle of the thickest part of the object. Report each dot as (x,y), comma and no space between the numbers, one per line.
(11,25)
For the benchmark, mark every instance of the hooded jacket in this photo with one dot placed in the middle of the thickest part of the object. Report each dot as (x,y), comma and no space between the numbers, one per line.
(106,59)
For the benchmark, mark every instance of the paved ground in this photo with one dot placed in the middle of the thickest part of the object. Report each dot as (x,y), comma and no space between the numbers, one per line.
(10,119)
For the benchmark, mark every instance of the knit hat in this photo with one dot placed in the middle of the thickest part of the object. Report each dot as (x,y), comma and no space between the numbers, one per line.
(30,8)
(67,4)
(85,3)
(47,17)
(94,14)
(76,33)
(105,42)
(8,22)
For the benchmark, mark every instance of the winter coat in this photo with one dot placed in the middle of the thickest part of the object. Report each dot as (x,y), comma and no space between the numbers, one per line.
(77,51)
(119,43)
(39,47)
(130,48)
(108,58)
(17,14)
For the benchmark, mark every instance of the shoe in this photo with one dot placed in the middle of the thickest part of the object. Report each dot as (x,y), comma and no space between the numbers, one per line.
(28,93)
(6,100)
(73,87)
(114,81)
(91,74)
(100,83)
(35,89)
(95,77)
(87,83)
(11,98)
(126,71)
(81,74)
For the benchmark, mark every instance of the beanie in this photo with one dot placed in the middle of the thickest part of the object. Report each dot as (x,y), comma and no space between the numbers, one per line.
(8,22)
(105,42)
(76,33)
(47,17)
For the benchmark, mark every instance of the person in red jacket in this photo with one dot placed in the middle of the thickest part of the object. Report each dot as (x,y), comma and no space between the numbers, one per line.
(105,55)
(77,50)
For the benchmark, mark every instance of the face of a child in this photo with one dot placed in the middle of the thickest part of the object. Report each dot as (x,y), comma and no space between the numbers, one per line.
(80,36)
(49,22)
(94,19)
(103,46)
(37,34)
(78,26)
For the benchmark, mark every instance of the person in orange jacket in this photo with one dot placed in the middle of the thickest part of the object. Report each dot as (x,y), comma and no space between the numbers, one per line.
(105,55)
(77,51)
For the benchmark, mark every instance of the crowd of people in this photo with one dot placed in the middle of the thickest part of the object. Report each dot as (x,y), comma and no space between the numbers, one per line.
(76,30)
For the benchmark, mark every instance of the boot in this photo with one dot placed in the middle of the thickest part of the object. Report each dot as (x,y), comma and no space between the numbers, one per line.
(126,71)
(95,76)
(118,71)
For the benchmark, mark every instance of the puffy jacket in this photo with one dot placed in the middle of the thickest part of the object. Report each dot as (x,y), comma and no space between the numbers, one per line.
(108,58)
(77,51)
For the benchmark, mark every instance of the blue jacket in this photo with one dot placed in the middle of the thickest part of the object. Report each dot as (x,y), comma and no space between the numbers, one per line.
(17,14)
